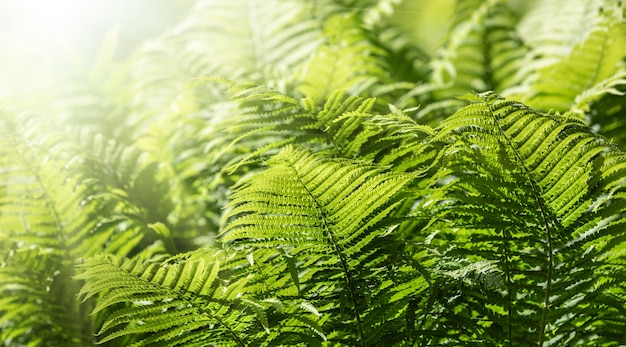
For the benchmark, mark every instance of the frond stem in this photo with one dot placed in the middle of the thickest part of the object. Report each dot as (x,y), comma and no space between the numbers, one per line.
(510,283)
(342,259)
(544,216)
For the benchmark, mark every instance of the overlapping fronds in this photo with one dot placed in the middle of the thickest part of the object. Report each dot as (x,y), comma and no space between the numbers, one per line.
(594,67)
(192,159)
(358,200)
(483,52)
(41,227)
(540,195)
(37,307)
(361,59)
(330,221)
(174,302)
(58,206)
(347,60)
(132,192)
(269,119)
(345,126)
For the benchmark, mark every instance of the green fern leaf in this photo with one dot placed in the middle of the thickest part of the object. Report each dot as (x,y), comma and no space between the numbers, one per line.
(482,53)
(530,187)
(176,301)
(347,61)
(593,68)
(270,120)
(63,202)
(35,308)
(329,215)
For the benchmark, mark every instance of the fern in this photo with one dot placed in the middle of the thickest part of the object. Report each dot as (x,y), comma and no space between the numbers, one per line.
(304,173)
(349,61)
(52,217)
(540,182)
(174,300)
(481,54)
(36,309)
(336,237)
(597,66)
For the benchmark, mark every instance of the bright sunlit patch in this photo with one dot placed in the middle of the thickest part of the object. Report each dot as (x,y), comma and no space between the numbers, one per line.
(44,41)
(49,23)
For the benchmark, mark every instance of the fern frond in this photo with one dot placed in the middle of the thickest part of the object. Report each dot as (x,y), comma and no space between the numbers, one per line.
(329,216)
(191,159)
(269,120)
(400,142)
(36,307)
(41,228)
(62,201)
(483,52)
(592,69)
(348,60)
(344,126)
(529,188)
(130,191)
(176,301)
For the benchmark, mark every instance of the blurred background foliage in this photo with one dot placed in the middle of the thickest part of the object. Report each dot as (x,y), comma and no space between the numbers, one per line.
(45,44)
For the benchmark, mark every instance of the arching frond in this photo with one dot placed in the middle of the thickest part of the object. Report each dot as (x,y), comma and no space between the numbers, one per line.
(483,52)
(41,228)
(269,120)
(539,195)
(54,212)
(344,125)
(192,160)
(399,141)
(328,216)
(347,60)
(174,302)
(359,199)
(593,68)
(131,192)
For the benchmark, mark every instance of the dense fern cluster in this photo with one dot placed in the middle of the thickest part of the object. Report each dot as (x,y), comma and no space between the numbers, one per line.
(302,173)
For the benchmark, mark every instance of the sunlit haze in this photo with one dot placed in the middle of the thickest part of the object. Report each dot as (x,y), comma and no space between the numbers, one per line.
(48,23)
(43,38)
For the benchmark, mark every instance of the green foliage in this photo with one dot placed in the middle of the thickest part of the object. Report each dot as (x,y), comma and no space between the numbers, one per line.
(333,221)
(302,173)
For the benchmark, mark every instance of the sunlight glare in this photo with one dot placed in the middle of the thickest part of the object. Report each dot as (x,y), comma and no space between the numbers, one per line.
(49,23)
